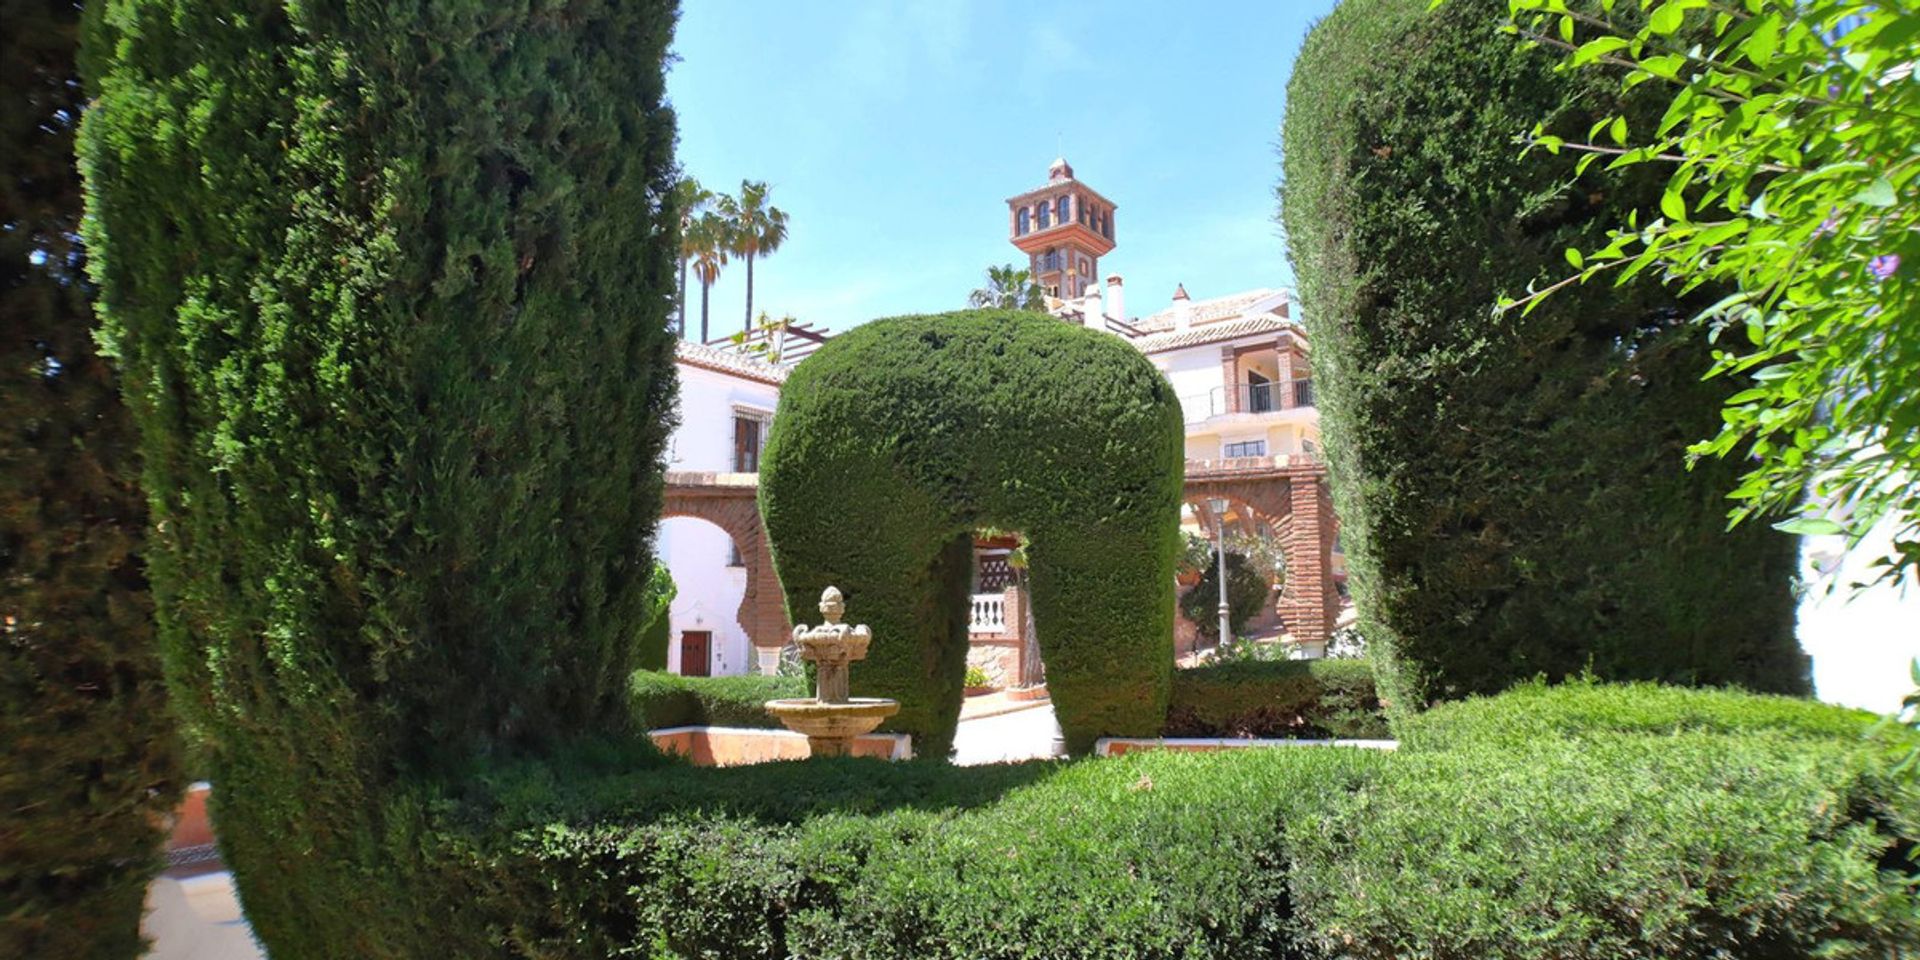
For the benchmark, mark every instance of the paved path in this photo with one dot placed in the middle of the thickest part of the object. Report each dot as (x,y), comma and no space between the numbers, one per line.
(1006,738)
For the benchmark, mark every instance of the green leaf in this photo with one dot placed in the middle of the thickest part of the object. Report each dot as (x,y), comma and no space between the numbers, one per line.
(1595,49)
(1809,526)
(1618,130)
(1574,257)
(1879,193)
(1673,205)
(1667,18)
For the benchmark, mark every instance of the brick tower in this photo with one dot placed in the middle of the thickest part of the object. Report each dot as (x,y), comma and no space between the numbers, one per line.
(1064,228)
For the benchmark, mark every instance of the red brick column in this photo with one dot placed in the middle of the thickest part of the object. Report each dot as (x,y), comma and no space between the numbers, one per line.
(1230,375)
(1311,601)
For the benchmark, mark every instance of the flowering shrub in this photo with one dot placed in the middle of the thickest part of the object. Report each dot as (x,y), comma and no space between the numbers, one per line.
(1790,135)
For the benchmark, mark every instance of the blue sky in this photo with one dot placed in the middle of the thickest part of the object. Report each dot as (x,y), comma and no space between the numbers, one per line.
(892,134)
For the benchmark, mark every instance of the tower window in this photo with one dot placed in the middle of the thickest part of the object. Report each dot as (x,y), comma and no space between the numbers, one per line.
(1043,211)
(1081,209)
(1106,225)
(1060,211)
(1025,222)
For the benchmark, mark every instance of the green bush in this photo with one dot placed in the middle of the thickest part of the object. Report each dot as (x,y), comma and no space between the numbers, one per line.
(897,440)
(1622,838)
(1276,698)
(390,287)
(1536,711)
(657,635)
(669,700)
(1247,592)
(88,762)
(1513,489)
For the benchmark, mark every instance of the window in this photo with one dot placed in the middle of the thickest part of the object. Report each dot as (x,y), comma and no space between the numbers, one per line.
(1245,448)
(749,438)
(1081,209)
(1044,210)
(1106,225)
(1025,222)
(1050,261)
(1060,211)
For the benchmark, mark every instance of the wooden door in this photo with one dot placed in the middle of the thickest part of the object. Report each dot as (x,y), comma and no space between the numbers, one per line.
(696,653)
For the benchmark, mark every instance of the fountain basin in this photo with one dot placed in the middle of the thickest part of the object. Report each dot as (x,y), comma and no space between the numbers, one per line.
(832,721)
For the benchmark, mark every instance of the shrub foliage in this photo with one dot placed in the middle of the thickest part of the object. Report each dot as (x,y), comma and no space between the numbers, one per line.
(1512,488)
(390,286)
(670,700)
(1609,836)
(1247,591)
(897,440)
(1276,698)
(88,764)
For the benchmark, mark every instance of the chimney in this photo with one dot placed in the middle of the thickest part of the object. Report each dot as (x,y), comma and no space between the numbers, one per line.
(1182,309)
(1116,298)
(1090,312)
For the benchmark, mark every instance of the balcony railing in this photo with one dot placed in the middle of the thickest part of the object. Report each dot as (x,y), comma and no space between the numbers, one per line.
(1260,397)
(989,613)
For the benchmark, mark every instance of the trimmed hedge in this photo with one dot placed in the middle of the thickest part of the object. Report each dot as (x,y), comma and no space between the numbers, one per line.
(898,439)
(89,767)
(1512,489)
(390,284)
(1607,840)
(669,700)
(1276,698)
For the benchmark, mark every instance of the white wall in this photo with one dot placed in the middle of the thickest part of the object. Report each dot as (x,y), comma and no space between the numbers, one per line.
(1862,643)
(1194,374)
(697,551)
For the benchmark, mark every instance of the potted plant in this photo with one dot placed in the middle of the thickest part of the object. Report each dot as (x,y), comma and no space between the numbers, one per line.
(978,682)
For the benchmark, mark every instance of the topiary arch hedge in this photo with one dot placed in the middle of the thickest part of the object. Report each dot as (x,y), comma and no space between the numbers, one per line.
(900,438)
(1512,490)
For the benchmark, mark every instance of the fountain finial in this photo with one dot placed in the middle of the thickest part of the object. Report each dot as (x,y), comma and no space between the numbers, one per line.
(832,606)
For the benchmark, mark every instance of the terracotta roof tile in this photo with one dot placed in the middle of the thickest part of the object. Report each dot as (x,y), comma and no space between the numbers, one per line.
(1209,333)
(729,362)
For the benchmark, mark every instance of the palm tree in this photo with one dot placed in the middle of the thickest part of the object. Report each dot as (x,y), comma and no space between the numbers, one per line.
(711,238)
(692,200)
(1008,289)
(758,229)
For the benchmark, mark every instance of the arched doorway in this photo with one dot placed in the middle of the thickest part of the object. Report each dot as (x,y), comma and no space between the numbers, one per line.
(1290,499)
(727,501)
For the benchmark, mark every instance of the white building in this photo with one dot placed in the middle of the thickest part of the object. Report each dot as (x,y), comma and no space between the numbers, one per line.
(726,403)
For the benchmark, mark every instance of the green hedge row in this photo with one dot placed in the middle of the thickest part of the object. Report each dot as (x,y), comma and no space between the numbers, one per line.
(1277,698)
(900,438)
(89,767)
(669,700)
(1513,487)
(1635,822)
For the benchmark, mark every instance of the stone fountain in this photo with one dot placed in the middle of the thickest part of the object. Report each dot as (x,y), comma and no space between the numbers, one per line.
(831,719)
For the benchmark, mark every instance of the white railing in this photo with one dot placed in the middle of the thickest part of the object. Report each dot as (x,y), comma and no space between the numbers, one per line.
(989,613)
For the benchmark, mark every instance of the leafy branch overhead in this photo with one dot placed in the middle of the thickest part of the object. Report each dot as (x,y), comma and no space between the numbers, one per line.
(1793,137)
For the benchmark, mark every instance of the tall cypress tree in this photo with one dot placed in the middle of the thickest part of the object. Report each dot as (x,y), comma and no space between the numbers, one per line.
(1512,487)
(391,286)
(88,767)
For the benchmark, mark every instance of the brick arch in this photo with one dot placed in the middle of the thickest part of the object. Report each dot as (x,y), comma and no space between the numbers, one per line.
(729,501)
(1290,495)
